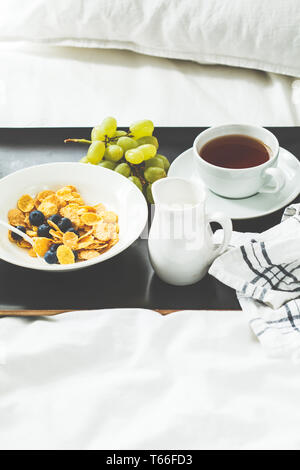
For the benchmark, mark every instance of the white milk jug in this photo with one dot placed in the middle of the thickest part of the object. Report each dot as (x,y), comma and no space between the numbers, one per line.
(181,246)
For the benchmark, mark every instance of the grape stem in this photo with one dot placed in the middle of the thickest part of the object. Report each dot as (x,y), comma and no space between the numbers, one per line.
(78,141)
(107,140)
(136,170)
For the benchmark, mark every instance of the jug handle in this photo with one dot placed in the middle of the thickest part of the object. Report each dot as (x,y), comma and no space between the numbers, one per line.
(226,225)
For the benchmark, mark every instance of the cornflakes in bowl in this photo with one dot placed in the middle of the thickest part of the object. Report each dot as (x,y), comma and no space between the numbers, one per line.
(77,215)
(64,229)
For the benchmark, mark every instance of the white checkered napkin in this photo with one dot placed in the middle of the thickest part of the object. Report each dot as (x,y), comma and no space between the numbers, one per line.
(264,269)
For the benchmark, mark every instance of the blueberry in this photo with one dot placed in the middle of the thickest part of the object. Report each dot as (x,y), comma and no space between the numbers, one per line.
(75,255)
(55,218)
(50,257)
(72,229)
(64,224)
(17,237)
(36,218)
(54,247)
(43,231)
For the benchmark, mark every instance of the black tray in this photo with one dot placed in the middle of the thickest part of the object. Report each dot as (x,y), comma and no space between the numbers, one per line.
(126,280)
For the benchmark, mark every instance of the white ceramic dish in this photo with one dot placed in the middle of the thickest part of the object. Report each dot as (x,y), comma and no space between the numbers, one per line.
(255,206)
(95,184)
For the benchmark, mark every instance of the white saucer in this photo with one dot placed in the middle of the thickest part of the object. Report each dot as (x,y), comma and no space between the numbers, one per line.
(254,206)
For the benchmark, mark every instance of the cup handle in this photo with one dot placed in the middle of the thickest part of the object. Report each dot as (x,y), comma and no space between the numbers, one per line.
(278,177)
(226,225)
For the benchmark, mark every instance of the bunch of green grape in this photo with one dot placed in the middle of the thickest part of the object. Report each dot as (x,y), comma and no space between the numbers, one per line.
(133,154)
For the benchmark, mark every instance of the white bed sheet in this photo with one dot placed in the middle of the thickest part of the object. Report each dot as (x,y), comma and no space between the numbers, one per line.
(133,379)
(52,86)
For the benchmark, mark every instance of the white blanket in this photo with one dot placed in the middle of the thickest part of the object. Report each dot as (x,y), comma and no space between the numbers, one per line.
(48,86)
(134,379)
(256,34)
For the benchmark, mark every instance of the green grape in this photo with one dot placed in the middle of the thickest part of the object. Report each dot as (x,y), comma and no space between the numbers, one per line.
(97,133)
(164,160)
(149,195)
(134,156)
(148,150)
(84,159)
(95,152)
(114,153)
(154,173)
(119,133)
(154,162)
(141,128)
(109,126)
(136,181)
(123,169)
(127,143)
(149,139)
(106,156)
(108,164)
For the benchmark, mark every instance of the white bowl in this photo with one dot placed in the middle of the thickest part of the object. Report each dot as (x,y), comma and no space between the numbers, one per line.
(95,184)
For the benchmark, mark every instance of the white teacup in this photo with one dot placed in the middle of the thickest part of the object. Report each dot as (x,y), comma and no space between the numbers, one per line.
(244,182)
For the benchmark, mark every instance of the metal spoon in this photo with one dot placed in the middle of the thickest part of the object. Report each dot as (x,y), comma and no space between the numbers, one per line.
(21,234)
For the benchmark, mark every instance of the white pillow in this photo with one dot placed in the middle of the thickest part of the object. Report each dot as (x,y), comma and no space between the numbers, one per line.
(260,34)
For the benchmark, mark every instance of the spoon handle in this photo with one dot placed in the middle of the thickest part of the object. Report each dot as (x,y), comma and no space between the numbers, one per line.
(17,231)
(22,234)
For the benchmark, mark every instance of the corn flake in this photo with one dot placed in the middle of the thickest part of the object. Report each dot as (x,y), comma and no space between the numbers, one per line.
(100,208)
(16,217)
(25,203)
(73,188)
(86,234)
(103,231)
(98,246)
(43,194)
(113,240)
(63,192)
(27,221)
(75,195)
(24,244)
(53,225)
(10,237)
(89,208)
(41,245)
(48,208)
(90,218)
(32,253)
(31,233)
(37,203)
(65,255)
(70,239)
(87,254)
(56,235)
(109,217)
(53,199)
(85,242)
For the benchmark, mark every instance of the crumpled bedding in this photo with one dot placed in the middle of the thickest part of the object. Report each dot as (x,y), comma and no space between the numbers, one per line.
(249,33)
(61,86)
(124,379)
